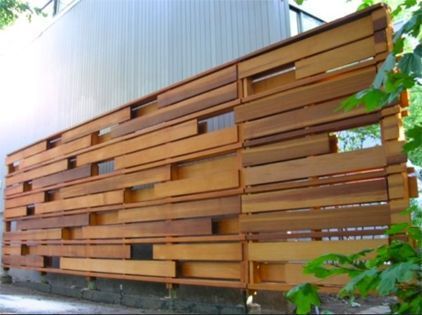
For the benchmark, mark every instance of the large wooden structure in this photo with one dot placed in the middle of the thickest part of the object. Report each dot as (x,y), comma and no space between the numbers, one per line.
(231,178)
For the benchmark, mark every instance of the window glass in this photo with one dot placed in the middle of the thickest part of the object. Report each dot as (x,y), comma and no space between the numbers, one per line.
(294,18)
(308,22)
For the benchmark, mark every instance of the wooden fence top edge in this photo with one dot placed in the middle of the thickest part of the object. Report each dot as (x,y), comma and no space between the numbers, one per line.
(324,27)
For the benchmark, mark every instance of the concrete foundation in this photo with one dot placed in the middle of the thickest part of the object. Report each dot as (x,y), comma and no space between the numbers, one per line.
(156,296)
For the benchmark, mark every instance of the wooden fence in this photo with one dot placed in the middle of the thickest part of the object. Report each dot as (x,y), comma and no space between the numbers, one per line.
(232,178)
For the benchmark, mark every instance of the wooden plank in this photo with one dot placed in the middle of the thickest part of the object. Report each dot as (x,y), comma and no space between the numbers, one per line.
(130,267)
(353,52)
(37,172)
(300,118)
(95,200)
(153,175)
(339,86)
(89,251)
(12,250)
(150,229)
(198,86)
(318,181)
(360,192)
(26,152)
(210,270)
(269,272)
(191,105)
(356,216)
(54,222)
(199,252)
(177,148)
(27,260)
(294,275)
(398,186)
(298,251)
(329,39)
(25,200)
(343,124)
(217,181)
(287,150)
(60,150)
(50,234)
(15,189)
(190,209)
(327,164)
(62,177)
(15,212)
(97,124)
(189,128)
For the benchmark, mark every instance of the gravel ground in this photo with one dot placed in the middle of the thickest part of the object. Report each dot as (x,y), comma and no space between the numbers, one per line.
(24,300)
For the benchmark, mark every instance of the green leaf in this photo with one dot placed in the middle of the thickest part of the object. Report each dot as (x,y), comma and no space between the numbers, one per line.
(304,297)
(411,64)
(374,99)
(397,228)
(362,282)
(401,272)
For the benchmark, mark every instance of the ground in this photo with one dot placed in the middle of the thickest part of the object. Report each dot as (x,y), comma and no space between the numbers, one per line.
(15,299)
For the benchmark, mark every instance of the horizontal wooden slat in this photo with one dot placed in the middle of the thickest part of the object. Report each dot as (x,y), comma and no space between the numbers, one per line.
(150,229)
(341,56)
(62,177)
(25,200)
(324,41)
(210,270)
(191,209)
(27,260)
(294,274)
(316,219)
(198,86)
(327,164)
(287,150)
(343,124)
(117,182)
(54,222)
(55,152)
(360,192)
(12,250)
(181,147)
(206,251)
(89,251)
(50,234)
(31,150)
(134,267)
(161,136)
(97,124)
(15,189)
(15,212)
(191,105)
(38,172)
(336,87)
(102,199)
(297,251)
(217,181)
(300,118)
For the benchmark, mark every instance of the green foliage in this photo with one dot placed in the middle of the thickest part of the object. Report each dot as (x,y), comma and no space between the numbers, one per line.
(304,296)
(11,10)
(357,138)
(393,269)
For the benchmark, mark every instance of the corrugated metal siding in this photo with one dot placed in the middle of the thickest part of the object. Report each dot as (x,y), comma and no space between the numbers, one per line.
(103,53)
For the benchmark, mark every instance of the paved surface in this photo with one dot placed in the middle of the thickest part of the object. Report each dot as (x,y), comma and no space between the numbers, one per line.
(15,299)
